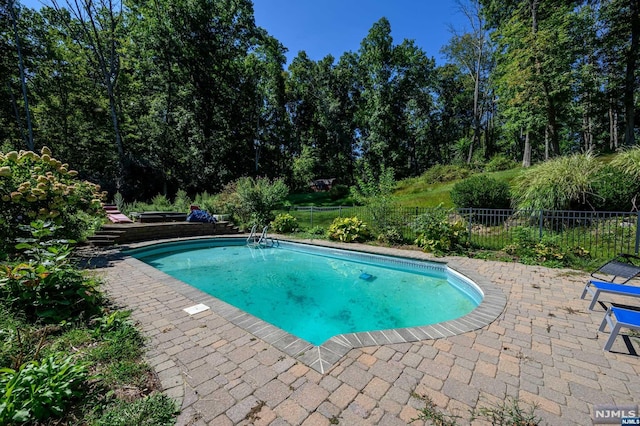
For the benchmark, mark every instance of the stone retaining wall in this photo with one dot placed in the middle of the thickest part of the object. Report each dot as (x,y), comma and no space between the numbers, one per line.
(156,231)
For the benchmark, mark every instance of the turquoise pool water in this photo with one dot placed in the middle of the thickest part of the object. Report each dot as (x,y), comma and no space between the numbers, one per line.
(316,293)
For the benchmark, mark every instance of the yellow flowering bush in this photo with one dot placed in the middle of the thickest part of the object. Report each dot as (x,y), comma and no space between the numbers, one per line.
(39,187)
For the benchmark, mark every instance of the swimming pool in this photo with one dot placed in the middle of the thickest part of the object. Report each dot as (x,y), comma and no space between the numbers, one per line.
(317,293)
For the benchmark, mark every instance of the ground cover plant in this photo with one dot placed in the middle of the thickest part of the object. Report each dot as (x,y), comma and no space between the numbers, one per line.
(66,355)
(349,230)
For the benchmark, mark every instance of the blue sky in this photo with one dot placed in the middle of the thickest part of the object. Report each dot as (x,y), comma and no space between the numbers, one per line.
(320,27)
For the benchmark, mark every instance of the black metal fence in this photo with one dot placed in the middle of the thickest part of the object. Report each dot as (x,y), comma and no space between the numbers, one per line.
(602,234)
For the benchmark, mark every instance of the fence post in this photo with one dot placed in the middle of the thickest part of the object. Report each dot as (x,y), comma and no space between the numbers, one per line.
(470,211)
(541,223)
(311,226)
(637,232)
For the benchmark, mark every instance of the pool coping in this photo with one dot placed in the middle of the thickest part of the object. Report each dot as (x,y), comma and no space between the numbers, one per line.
(321,358)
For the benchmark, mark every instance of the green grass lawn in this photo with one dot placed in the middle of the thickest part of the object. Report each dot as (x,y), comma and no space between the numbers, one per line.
(411,192)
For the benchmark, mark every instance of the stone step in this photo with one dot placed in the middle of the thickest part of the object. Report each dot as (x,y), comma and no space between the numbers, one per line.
(111,234)
(101,242)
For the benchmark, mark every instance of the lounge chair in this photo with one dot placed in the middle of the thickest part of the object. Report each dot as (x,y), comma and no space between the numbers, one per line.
(594,288)
(624,318)
(115,216)
(622,267)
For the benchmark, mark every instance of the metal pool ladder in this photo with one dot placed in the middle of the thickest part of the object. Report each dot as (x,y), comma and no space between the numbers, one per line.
(261,241)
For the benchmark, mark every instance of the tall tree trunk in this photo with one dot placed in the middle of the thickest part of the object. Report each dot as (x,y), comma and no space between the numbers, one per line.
(546,142)
(630,77)
(613,125)
(23,78)
(16,111)
(526,155)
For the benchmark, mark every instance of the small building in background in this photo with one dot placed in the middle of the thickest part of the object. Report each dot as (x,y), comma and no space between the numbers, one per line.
(320,185)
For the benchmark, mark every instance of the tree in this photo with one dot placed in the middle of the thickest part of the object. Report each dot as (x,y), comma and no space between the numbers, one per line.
(472,52)
(13,14)
(534,59)
(96,30)
(394,79)
(620,29)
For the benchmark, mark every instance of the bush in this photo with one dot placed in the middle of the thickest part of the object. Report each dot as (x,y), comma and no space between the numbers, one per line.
(546,251)
(563,183)
(445,173)
(376,192)
(317,230)
(500,162)
(348,230)
(40,187)
(252,201)
(391,235)
(181,202)
(338,192)
(439,233)
(614,190)
(48,287)
(39,390)
(628,161)
(284,223)
(481,192)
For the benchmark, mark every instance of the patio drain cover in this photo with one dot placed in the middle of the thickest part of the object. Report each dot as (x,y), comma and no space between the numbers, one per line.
(192,310)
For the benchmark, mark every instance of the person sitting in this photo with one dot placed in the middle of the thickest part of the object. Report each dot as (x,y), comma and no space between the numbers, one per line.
(197,215)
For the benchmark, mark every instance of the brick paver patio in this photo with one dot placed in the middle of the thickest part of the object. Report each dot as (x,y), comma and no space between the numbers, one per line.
(544,349)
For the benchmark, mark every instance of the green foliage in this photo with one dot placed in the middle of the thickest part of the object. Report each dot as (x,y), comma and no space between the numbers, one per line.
(614,189)
(500,162)
(181,202)
(507,413)
(156,409)
(440,232)
(547,251)
(19,340)
(113,322)
(376,192)
(39,390)
(252,201)
(432,414)
(563,183)
(628,161)
(161,203)
(317,230)
(339,191)
(208,203)
(349,230)
(118,200)
(39,187)
(121,341)
(47,287)
(445,173)
(372,186)
(303,169)
(391,235)
(481,191)
(284,223)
